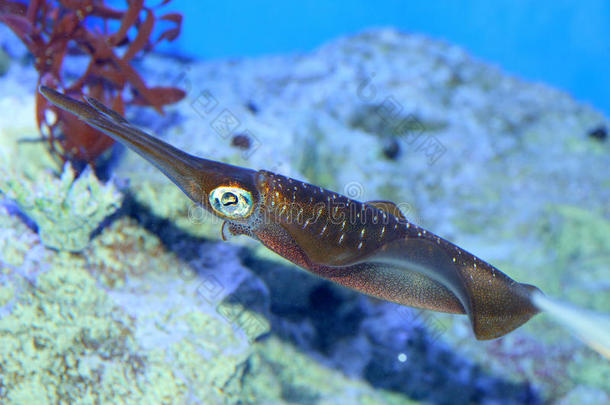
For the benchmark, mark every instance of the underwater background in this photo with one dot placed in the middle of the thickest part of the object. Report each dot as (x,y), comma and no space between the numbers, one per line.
(115,288)
(561,43)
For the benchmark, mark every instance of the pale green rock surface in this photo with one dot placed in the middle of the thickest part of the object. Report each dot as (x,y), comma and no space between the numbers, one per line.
(277,370)
(65,341)
(66,210)
(157,337)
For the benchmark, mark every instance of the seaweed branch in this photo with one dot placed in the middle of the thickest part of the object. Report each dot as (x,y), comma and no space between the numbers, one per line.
(54,31)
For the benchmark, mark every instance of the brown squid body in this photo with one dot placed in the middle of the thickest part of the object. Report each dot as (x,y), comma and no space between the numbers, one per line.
(369,247)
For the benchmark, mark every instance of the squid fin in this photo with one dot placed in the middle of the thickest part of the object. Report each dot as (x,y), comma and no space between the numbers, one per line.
(494,303)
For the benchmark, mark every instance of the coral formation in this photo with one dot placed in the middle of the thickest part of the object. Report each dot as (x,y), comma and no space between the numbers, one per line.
(63,336)
(66,210)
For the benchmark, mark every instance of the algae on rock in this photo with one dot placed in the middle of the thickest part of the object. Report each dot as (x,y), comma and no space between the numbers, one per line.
(125,249)
(65,340)
(580,240)
(277,373)
(66,210)
(62,337)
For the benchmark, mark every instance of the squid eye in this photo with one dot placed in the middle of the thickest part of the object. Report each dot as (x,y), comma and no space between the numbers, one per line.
(229,199)
(231,202)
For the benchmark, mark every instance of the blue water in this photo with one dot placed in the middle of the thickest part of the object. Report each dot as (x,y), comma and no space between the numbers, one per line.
(560,42)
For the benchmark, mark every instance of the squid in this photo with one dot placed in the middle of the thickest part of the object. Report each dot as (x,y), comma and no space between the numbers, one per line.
(366,246)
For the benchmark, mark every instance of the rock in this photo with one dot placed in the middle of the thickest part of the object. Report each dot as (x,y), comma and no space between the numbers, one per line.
(66,210)
(277,373)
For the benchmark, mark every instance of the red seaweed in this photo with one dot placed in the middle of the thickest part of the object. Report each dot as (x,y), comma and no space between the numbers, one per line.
(53,31)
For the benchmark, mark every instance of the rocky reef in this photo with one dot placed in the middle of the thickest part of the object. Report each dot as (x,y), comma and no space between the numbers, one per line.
(65,210)
(119,291)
